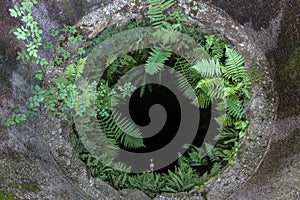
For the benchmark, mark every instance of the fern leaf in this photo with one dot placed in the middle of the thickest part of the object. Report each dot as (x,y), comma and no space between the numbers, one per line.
(187,79)
(156,60)
(123,130)
(208,68)
(229,121)
(234,66)
(216,168)
(234,106)
(216,154)
(213,87)
(202,101)
(156,9)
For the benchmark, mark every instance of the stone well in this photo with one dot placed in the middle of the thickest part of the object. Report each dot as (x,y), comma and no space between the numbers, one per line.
(36,160)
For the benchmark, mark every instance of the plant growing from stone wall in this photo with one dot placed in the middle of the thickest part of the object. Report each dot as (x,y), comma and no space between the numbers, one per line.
(56,99)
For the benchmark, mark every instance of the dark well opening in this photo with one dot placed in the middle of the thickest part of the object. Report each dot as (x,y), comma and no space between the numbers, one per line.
(139,107)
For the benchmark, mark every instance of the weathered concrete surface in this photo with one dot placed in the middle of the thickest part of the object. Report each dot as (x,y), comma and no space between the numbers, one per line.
(265,32)
(278,176)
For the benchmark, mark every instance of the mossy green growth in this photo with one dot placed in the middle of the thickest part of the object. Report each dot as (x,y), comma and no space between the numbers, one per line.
(6,195)
(290,67)
(4,180)
(288,74)
(30,187)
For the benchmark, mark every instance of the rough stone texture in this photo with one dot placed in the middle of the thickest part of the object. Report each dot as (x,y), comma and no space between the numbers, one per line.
(130,194)
(277,176)
(265,32)
(113,14)
(191,195)
(69,12)
(259,14)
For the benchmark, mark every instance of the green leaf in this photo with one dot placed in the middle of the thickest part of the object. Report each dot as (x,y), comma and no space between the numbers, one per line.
(235,68)
(81,51)
(20,34)
(53,32)
(49,45)
(13,13)
(208,68)
(27,5)
(156,60)
(208,147)
(28,19)
(38,76)
(156,11)
(73,40)
(66,55)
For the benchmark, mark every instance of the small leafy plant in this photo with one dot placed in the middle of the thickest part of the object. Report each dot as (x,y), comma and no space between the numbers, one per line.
(57,99)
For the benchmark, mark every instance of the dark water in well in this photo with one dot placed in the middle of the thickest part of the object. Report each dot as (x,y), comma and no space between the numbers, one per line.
(159,95)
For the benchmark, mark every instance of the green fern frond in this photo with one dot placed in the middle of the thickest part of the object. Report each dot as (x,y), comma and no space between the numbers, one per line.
(234,107)
(182,179)
(185,87)
(216,168)
(234,66)
(149,182)
(174,21)
(227,135)
(127,60)
(229,121)
(216,154)
(156,60)
(183,67)
(187,79)
(122,130)
(214,46)
(213,87)
(202,101)
(73,70)
(208,68)
(156,11)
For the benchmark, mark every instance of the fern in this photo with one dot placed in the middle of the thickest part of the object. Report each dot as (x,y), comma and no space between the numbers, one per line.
(234,68)
(174,21)
(119,179)
(122,130)
(202,101)
(214,46)
(216,168)
(227,135)
(216,154)
(149,182)
(229,121)
(156,60)
(156,11)
(234,107)
(212,87)
(219,74)
(208,68)
(187,80)
(181,180)
(185,72)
